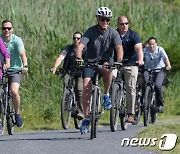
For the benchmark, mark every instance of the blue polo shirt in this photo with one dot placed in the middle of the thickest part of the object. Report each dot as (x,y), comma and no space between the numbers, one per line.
(129,40)
(15,46)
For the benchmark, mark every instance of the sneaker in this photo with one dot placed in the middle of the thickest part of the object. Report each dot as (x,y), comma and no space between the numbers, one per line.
(160,109)
(19,121)
(84,126)
(107,102)
(80,116)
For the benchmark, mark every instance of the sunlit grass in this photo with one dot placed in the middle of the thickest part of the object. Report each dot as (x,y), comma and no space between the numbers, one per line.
(156,131)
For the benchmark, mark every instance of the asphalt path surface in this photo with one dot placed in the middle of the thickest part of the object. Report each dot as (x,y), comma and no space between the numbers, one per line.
(71,142)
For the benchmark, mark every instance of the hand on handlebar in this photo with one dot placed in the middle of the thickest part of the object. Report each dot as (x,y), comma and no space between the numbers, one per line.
(53,70)
(117,65)
(24,70)
(140,62)
(79,62)
(168,68)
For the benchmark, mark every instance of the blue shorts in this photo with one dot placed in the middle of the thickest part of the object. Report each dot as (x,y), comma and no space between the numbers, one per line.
(88,72)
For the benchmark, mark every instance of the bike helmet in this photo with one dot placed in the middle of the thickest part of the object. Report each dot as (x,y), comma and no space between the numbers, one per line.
(104,12)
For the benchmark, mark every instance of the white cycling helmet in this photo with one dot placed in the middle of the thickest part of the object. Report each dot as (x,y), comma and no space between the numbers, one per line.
(104,12)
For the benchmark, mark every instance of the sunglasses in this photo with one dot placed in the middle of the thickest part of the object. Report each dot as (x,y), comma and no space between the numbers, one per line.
(103,19)
(122,24)
(76,38)
(8,28)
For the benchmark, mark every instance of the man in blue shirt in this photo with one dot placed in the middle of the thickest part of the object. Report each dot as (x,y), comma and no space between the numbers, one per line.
(133,52)
(156,58)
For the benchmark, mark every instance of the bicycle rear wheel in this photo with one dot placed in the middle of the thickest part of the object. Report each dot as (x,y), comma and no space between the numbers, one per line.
(10,118)
(147,103)
(114,111)
(66,106)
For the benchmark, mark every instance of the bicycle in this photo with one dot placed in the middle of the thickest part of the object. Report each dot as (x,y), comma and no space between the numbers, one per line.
(69,102)
(7,114)
(118,109)
(150,106)
(139,97)
(95,99)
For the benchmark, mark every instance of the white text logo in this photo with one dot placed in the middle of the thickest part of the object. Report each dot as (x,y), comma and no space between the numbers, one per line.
(167,142)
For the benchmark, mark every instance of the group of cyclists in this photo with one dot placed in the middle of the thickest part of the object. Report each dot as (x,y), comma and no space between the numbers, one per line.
(103,44)
(100,44)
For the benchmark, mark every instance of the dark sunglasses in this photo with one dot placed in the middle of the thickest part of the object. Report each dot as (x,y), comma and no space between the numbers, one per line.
(103,19)
(8,28)
(76,38)
(122,24)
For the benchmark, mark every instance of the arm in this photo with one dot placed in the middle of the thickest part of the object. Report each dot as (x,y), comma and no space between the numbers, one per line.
(168,65)
(24,60)
(140,54)
(57,63)
(120,52)
(79,50)
(7,64)
(5,54)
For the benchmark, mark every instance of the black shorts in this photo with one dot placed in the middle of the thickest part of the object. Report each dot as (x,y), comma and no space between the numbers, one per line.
(88,72)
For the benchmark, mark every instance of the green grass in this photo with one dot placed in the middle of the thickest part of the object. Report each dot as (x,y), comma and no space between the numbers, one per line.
(156,131)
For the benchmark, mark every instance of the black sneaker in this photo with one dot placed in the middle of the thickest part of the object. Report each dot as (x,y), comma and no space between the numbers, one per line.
(19,121)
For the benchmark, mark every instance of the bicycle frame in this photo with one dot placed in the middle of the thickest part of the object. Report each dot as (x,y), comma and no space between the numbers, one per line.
(9,115)
(150,105)
(95,100)
(69,103)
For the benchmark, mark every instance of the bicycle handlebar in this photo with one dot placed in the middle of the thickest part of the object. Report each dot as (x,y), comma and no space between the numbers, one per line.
(10,72)
(63,71)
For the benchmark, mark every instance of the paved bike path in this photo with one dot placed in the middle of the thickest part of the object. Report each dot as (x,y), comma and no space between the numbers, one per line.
(70,141)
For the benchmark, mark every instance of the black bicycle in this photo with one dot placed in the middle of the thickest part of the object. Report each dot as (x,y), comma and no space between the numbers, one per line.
(7,114)
(150,106)
(118,98)
(139,97)
(95,100)
(68,104)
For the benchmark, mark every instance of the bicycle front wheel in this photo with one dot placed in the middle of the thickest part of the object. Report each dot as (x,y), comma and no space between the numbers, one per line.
(66,106)
(147,103)
(114,111)
(137,109)
(10,118)
(153,109)
(123,111)
(3,111)
(93,114)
